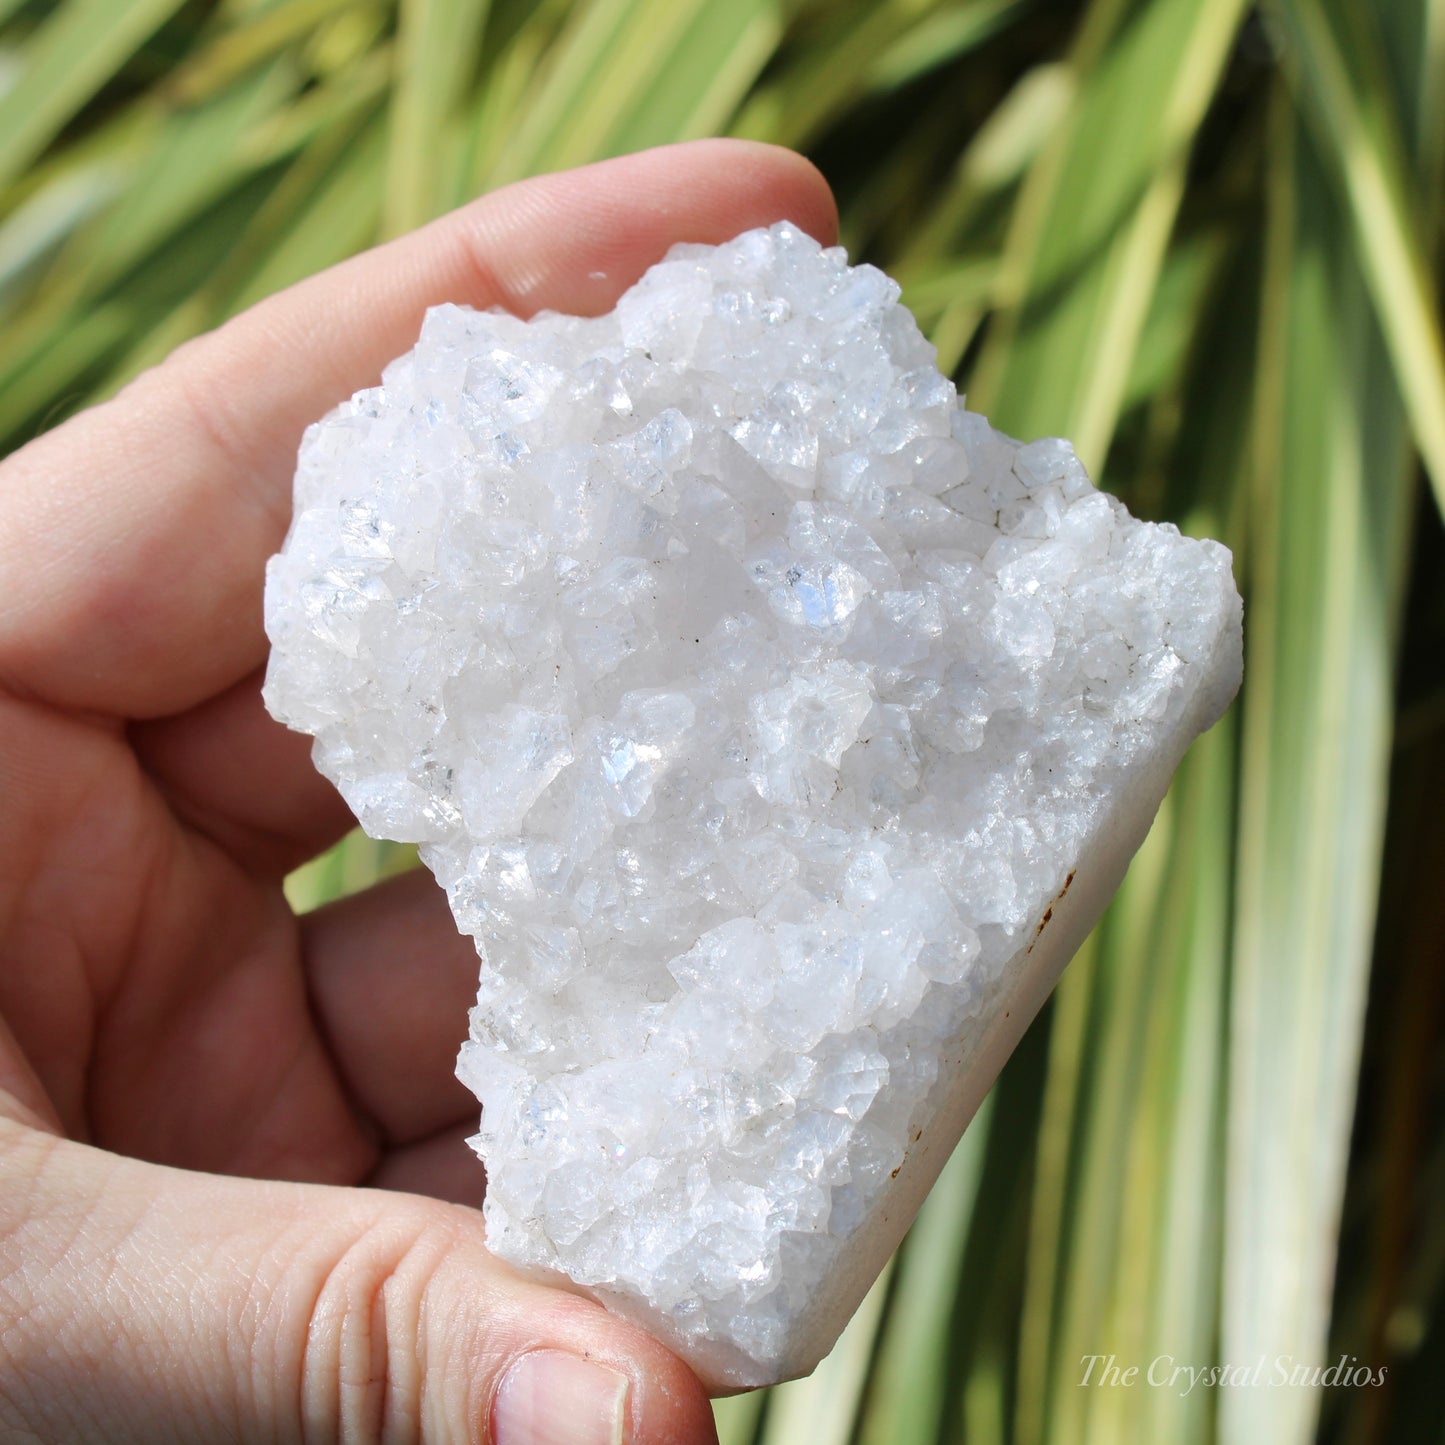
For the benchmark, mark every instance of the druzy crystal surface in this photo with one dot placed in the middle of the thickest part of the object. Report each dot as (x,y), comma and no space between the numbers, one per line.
(756,706)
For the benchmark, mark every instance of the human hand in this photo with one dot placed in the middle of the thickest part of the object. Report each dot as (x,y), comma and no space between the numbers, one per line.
(165,1021)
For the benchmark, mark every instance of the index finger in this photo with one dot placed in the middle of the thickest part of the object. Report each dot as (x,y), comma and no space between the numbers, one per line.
(136,533)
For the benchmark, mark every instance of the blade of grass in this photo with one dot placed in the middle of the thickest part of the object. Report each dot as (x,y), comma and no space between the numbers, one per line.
(48,382)
(1186,280)
(437,48)
(340,217)
(1349,102)
(908,1388)
(585,66)
(75,52)
(322,211)
(332,105)
(320,180)
(1165,1289)
(738,1416)
(863,50)
(1118,990)
(1208,491)
(178,201)
(816,81)
(356,862)
(192,160)
(119,145)
(37,227)
(940,38)
(1083,261)
(1183,1285)
(507,92)
(62,344)
(1087,243)
(710,70)
(620,79)
(1329,521)
(1430,112)
(888,203)
(1054,1165)
(981,1384)
(347,38)
(821,1408)
(640,53)
(169,170)
(1387,1266)
(242,47)
(1003,148)
(949,301)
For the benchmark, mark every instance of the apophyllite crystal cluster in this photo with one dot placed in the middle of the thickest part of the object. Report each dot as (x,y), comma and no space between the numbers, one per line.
(775,727)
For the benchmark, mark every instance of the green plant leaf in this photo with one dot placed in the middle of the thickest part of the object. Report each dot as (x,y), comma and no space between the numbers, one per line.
(1348,98)
(1087,242)
(738,1416)
(356,862)
(822,1407)
(78,49)
(1329,512)
(702,83)
(37,227)
(604,52)
(908,1387)
(940,38)
(241,47)
(436,55)
(193,159)
(876,47)
(339,216)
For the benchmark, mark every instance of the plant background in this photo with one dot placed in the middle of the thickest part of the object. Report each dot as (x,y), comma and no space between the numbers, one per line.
(1201,237)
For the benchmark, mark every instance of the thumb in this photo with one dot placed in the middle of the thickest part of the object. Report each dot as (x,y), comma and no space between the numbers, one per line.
(146,1304)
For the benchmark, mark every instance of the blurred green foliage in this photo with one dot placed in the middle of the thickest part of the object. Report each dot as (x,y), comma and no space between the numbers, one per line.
(1201,237)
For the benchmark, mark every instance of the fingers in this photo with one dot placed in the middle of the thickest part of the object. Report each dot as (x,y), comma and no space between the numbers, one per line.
(232,771)
(441,1167)
(22,1095)
(391,981)
(131,567)
(149,1305)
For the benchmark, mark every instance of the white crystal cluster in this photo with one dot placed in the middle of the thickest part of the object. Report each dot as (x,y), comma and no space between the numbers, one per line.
(752,701)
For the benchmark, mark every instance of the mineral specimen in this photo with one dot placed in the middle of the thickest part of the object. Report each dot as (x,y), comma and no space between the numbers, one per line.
(776,729)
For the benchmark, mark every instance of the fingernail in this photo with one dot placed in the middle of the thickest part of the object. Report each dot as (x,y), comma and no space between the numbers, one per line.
(548,1397)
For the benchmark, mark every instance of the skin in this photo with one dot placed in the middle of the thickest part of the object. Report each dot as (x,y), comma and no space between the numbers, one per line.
(229,1136)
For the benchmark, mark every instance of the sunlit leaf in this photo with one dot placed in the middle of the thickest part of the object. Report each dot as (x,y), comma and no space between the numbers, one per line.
(1346,95)
(1088,241)
(1329,505)
(79,48)
(435,60)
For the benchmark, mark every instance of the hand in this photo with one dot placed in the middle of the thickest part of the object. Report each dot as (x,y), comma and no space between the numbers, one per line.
(192,1080)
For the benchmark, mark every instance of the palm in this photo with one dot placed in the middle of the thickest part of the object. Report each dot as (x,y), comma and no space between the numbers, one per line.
(172,1006)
